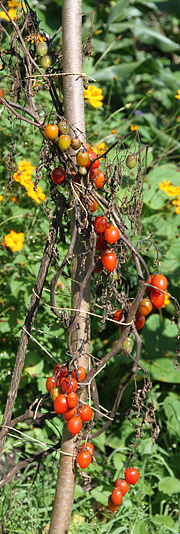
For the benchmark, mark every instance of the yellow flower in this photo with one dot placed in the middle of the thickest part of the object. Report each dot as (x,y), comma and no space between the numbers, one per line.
(166,300)
(177,203)
(15,3)
(1,197)
(132,127)
(178,95)
(36,38)
(169,188)
(113,131)
(94,95)
(14,199)
(12,13)
(14,241)
(35,195)
(100,148)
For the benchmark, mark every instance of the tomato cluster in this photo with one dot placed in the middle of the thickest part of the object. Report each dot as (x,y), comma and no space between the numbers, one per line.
(107,235)
(155,298)
(62,387)
(42,50)
(122,487)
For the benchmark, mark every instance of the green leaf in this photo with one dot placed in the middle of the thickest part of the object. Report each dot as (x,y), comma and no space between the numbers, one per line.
(160,356)
(117,11)
(169,485)
(101,494)
(172,411)
(33,364)
(121,71)
(153,37)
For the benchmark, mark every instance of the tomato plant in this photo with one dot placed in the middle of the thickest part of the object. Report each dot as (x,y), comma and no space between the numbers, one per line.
(83,459)
(92,156)
(64,142)
(72,399)
(86,412)
(82,158)
(60,404)
(93,205)
(50,382)
(160,282)
(51,131)
(113,507)
(122,484)
(116,496)
(87,445)
(81,373)
(145,307)
(157,298)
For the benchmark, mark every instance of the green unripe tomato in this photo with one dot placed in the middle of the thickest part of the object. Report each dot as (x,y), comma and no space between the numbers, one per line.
(63,127)
(131,161)
(82,171)
(64,142)
(42,49)
(46,62)
(128,344)
(75,143)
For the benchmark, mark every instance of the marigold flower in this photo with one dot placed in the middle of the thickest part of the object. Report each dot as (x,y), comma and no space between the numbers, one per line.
(1,198)
(24,176)
(36,195)
(100,148)
(14,199)
(132,127)
(178,95)
(113,131)
(15,3)
(169,188)
(94,95)
(14,241)
(177,203)
(12,13)
(36,38)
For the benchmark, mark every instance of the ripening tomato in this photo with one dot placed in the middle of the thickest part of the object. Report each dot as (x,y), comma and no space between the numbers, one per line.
(82,158)
(74,425)
(139,322)
(100,224)
(98,177)
(63,127)
(70,412)
(160,282)
(58,175)
(111,234)
(122,485)
(81,373)
(87,445)
(69,386)
(109,260)
(118,316)
(116,496)
(111,505)
(157,298)
(55,391)
(131,475)
(72,400)
(145,306)
(83,459)
(1,94)
(64,142)
(50,383)
(51,131)
(86,412)
(60,404)
(92,156)
(150,279)
(75,143)
(93,205)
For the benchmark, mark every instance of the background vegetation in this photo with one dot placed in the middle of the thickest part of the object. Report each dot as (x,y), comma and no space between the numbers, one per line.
(135,60)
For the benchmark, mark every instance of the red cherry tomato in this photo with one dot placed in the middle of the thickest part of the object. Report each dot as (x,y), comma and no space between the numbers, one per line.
(98,177)
(101,242)
(93,205)
(139,322)
(60,404)
(157,298)
(111,234)
(160,282)
(109,260)
(69,414)
(87,445)
(50,383)
(116,496)
(69,386)
(92,156)
(111,505)
(122,485)
(59,371)
(118,316)
(1,94)
(81,372)
(58,175)
(131,475)
(74,425)
(150,279)
(72,400)
(83,459)
(100,224)
(86,412)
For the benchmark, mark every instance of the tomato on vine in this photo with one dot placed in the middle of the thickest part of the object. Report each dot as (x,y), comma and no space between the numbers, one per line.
(58,175)
(72,400)
(160,282)
(69,385)
(122,484)
(131,161)
(81,373)
(109,260)
(113,507)
(98,178)
(50,382)
(60,404)
(51,131)
(131,475)
(82,158)
(116,496)
(87,445)
(100,224)
(64,142)
(92,156)
(1,94)
(83,459)
(145,306)
(157,298)
(93,205)
(118,316)
(74,425)
(111,234)
(139,322)
(70,412)
(86,412)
